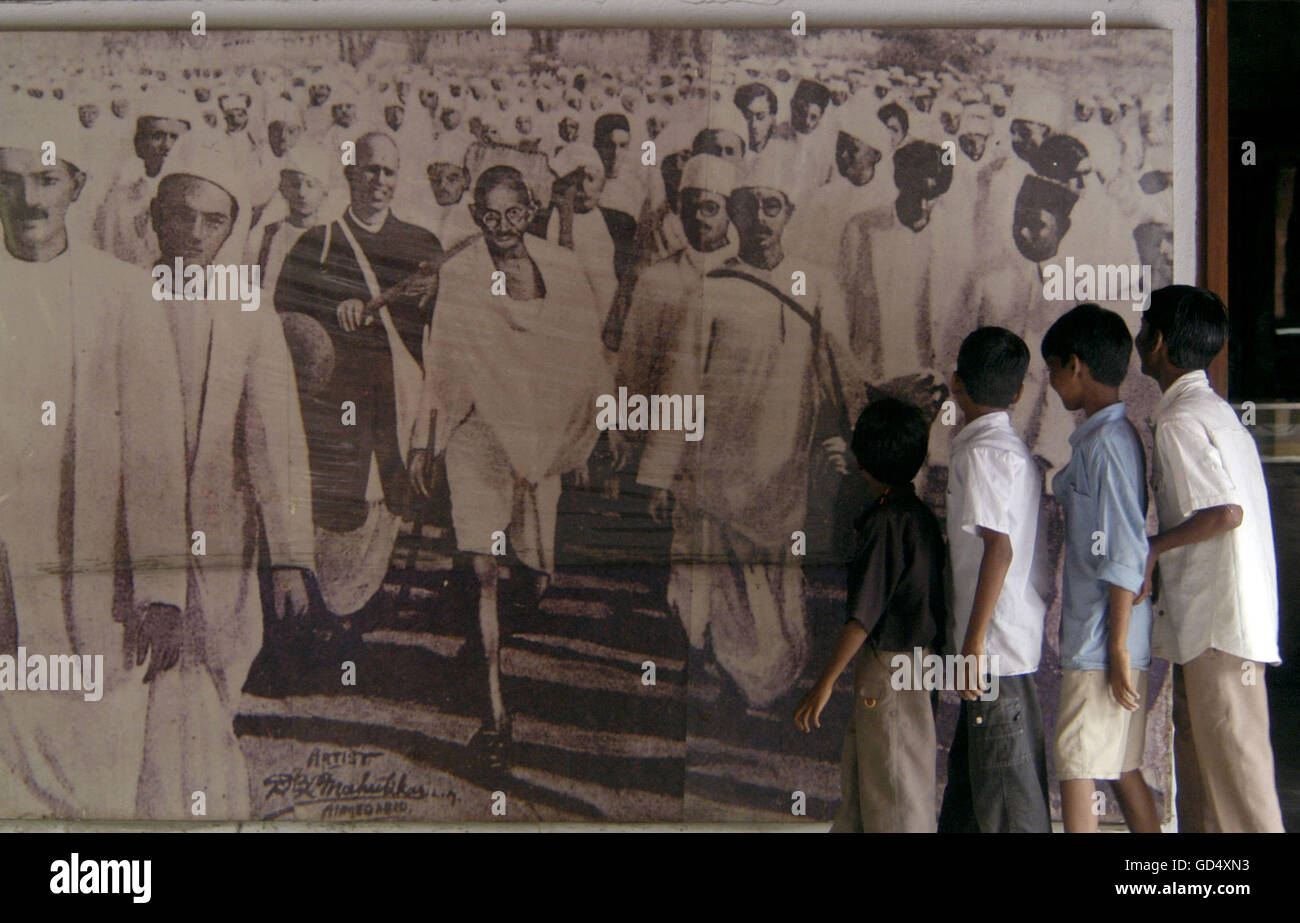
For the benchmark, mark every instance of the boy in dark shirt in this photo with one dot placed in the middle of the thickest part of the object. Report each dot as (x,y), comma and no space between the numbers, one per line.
(896,605)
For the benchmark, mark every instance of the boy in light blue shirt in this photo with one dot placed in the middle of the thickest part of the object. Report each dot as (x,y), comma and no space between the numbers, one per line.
(1105,638)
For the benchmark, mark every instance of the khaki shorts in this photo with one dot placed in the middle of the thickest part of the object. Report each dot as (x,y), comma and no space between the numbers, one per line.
(1096,737)
(887,771)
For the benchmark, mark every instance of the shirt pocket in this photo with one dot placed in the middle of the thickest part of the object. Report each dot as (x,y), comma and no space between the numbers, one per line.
(1078,497)
(872,681)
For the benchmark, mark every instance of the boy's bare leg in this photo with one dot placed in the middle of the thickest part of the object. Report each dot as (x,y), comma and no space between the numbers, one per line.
(1136,802)
(488,573)
(1076,805)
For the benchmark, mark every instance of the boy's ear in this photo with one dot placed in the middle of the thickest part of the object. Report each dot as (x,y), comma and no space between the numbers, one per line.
(1019,392)
(1157,341)
(1156,348)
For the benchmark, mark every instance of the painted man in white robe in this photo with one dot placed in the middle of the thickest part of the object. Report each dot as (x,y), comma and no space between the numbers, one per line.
(284,129)
(667,295)
(93,547)
(305,175)
(842,216)
(1009,293)
(892,300)
(511,381)
(248,472)
(578,223)
(121,224)
(765,370)
(448,179)
(815,135)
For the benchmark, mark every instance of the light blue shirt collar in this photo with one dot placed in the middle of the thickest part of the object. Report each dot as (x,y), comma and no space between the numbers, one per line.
(1107,414)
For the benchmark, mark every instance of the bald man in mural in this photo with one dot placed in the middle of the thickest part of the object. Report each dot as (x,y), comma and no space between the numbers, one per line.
(512,382)
(359,372)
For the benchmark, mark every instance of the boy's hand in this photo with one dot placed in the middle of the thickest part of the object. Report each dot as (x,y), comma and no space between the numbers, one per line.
(810,709)
(1148,579)
(972,683)
(1120,686)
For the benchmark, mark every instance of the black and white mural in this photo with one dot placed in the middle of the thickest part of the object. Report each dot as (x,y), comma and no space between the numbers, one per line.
(450,426)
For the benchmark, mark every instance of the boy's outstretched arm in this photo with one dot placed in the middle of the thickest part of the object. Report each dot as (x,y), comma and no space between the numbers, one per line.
(882,564)
(1201,526)
(810,709)
(993,572)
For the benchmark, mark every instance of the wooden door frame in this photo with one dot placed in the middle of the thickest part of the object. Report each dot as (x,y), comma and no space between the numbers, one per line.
(1212,197)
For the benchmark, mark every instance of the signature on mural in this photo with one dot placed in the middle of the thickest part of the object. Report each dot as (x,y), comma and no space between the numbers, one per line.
(324,782)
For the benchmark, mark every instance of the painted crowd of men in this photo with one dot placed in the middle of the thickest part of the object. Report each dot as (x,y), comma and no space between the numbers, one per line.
(459,266)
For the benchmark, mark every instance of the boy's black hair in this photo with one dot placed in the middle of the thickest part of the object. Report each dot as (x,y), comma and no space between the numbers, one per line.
(992,363)
(1193,322)
(1100,339)
(891,440)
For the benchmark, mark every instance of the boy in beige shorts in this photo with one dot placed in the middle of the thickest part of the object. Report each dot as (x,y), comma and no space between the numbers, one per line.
(1105,636)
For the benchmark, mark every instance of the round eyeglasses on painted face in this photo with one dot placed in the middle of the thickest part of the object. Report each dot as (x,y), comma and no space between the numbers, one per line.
(770,205)
(709,208)
(492,219)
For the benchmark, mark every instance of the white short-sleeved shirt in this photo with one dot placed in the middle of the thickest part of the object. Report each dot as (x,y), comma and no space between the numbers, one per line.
(1220,593)
(993,482)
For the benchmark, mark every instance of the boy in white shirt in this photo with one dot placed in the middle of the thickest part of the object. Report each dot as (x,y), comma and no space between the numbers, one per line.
(1216,612)
(997,767)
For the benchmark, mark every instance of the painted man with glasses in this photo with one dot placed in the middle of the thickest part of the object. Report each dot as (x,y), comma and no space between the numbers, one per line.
(770,358)
(511,384)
